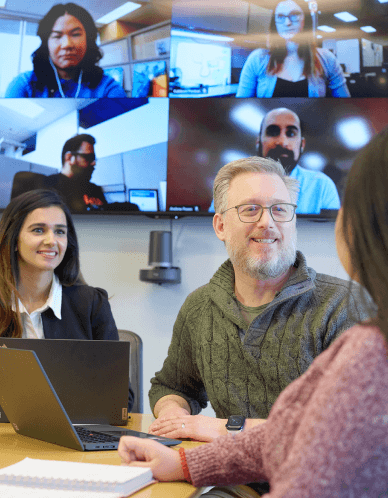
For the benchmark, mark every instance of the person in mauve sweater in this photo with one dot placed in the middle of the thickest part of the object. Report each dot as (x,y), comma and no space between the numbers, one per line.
(326,435)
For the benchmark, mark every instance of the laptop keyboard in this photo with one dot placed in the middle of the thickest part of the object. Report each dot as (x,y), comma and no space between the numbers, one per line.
(94,437)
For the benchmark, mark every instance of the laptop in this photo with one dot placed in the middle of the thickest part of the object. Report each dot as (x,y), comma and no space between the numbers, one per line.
(146,199)
(35,410)
(91,378)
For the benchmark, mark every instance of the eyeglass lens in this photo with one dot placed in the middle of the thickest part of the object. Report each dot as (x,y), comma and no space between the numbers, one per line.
(252,212)
(88,157)
(281,18)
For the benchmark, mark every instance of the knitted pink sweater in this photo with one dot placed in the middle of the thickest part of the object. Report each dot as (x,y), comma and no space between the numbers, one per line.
(326,435)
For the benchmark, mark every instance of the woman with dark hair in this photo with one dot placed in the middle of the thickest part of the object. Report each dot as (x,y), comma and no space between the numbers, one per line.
(65,64)
(292,66)
(326,434)
(41,291)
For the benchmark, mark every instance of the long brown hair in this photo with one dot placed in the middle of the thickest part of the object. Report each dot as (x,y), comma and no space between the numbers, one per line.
(10,225)
(365,223)
(307,49)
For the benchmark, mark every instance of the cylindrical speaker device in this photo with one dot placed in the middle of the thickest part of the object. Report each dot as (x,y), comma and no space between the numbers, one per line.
(160,250)
(160,258)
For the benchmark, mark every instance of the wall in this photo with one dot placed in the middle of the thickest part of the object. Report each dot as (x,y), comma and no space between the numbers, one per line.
(115,248)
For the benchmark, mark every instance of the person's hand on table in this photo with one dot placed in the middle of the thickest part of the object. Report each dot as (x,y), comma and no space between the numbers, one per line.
(197,427)
(164,462)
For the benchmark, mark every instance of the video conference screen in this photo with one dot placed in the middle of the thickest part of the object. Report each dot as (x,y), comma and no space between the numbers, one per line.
(184,69)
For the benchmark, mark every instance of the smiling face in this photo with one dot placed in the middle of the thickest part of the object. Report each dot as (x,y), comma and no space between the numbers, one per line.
(67,44)
(264,249)
(42,240)
(289,19)
(281,138)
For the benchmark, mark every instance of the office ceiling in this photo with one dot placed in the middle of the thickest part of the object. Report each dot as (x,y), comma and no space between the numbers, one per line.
(150,12)
(368,12)
(16,126)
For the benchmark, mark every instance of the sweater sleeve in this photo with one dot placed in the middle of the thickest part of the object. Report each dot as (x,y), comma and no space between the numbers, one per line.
(19,87)
(179,374)
(229,460)
(113,88)
(336,80)
(351,309)
(255,64)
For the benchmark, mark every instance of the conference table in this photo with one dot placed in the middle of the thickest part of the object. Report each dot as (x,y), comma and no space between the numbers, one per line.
(14,448)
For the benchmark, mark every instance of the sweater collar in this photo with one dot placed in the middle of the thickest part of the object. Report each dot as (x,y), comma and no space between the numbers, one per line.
(221,285)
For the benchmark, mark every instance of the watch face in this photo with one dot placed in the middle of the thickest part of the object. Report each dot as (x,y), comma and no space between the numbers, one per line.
(235,422)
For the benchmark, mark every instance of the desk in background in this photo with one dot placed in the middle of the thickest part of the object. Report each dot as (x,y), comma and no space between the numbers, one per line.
(14,448)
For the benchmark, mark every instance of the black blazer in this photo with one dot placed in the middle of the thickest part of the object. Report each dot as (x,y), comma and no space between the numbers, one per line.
(86,314)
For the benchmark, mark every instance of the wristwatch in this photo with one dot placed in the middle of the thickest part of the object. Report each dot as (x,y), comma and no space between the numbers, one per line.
(235,424)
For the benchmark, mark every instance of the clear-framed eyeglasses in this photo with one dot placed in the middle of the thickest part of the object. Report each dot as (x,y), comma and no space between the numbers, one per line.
(281,18)
(282,212)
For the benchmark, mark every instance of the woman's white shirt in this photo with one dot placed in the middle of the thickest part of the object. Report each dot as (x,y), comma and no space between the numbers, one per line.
(32,322)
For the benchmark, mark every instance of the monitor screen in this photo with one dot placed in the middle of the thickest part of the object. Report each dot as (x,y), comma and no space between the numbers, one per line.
(257,46)
(146,199)
(127,154)
(205,134)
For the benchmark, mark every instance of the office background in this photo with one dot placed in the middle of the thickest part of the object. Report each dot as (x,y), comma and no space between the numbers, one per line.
(115,248)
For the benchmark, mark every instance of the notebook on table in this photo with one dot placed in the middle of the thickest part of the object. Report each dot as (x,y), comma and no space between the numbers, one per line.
(90,377)
(35,410)
(47,478)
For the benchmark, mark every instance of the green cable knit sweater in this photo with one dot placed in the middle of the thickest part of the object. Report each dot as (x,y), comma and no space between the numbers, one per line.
(207,361)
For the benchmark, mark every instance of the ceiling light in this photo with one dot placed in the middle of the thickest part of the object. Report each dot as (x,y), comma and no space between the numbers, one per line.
(205,36)
(25,107)
(121,11)
(326,29)
(228,156)
(368,29)
(248,117)
(354,132)
(346,16)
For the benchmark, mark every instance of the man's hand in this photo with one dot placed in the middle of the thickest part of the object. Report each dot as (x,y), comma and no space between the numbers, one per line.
(197,427)
(164,462)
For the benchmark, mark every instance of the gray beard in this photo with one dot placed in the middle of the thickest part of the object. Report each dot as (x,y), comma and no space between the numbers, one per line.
(266,270)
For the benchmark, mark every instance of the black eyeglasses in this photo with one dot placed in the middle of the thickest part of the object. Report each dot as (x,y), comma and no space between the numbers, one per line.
(281,18)
(88,157)
(282,212)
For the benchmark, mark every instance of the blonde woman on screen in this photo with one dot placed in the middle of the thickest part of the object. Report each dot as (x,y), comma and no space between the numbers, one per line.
(292,66)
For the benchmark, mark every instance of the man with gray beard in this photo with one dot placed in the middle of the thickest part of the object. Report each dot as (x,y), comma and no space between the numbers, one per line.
(258,324)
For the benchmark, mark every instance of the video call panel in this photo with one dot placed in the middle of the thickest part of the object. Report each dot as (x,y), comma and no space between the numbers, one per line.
(190,49)
(131,162)
(221,48)
(206,134)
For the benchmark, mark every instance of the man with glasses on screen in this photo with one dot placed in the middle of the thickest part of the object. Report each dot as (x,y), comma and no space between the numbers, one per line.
(281,138)
(73,182)
(258,324)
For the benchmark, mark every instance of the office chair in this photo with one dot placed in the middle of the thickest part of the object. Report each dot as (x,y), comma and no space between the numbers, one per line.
(24,181)
(135,366)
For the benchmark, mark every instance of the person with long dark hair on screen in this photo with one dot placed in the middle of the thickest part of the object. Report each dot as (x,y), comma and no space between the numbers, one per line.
(326,434)
(66,63)
(292,65)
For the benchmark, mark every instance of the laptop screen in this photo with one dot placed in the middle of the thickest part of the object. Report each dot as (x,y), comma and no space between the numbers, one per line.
(146,199)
